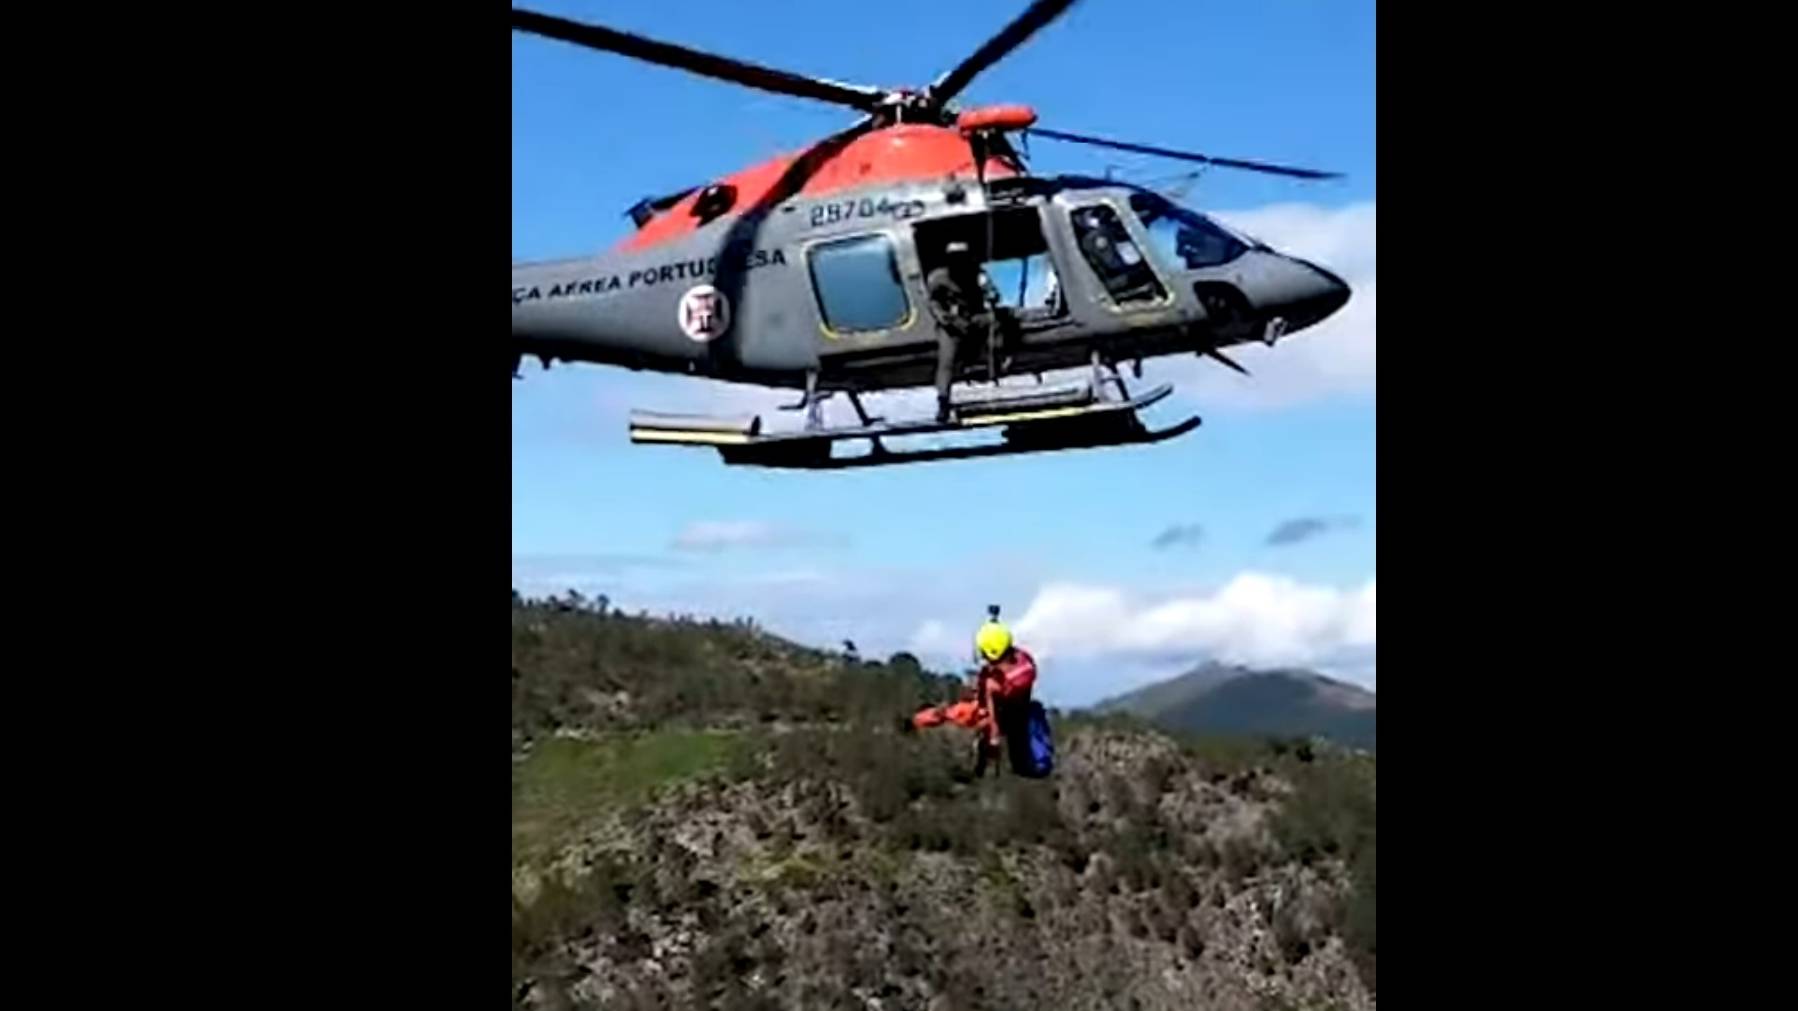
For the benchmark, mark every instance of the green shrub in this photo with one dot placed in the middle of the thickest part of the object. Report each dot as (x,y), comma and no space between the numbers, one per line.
(1331,815)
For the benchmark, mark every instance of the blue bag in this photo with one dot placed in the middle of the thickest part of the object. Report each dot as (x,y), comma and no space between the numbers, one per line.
(1033,754)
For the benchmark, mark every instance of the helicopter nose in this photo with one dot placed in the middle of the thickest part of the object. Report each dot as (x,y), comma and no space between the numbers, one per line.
(1313,294)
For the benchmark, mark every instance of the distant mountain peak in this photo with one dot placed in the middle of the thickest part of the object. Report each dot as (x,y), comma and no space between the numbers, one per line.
(1222,698)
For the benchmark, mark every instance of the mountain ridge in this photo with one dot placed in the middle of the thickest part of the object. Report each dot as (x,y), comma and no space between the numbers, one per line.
(1217,698)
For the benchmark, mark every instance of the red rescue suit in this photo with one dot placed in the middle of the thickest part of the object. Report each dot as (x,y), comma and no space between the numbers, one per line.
(1007,682)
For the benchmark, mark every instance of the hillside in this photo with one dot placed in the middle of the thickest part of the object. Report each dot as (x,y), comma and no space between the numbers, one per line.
(704,815)
(1221,699)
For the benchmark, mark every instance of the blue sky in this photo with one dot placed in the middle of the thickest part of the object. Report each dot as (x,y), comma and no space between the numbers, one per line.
(907,557)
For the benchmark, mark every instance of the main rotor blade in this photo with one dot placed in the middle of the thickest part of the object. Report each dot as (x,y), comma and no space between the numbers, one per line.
(1012,36)
(1252,166)
(682,58)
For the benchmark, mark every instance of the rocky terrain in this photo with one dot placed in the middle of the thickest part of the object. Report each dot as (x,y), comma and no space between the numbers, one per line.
(705,816)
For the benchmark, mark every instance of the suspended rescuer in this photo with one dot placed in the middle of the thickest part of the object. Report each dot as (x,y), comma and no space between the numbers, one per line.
(998,704)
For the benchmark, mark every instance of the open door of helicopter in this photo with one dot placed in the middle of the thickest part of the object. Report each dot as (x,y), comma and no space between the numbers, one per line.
(1019,268)
(873,309)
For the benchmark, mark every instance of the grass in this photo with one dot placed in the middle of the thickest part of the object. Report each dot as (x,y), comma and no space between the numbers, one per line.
(566,782)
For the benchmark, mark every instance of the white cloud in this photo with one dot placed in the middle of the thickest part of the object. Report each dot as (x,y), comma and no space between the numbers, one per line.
(1340,238)
(789,578)
(1256,619)
(721,535)
(538,574)
(933,639)
(715,535)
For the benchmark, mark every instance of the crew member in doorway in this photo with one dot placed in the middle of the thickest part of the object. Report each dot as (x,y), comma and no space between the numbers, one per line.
(958,301)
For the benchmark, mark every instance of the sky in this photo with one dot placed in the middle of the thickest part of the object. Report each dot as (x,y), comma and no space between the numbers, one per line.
(1249,540)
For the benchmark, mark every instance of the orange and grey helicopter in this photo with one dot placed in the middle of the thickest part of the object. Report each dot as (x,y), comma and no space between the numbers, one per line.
(813,272)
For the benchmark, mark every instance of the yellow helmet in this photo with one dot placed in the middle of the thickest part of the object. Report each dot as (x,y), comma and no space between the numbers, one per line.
(992,640)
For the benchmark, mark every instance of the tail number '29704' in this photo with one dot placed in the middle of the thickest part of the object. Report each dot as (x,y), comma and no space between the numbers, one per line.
(867,207)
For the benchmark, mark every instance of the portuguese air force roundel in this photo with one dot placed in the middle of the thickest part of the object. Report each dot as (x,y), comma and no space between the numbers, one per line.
(704,313)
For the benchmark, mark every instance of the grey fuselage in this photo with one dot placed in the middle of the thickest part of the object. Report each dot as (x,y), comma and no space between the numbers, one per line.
(771,295)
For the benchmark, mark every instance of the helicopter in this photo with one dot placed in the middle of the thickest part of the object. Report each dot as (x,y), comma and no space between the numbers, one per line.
(808,273)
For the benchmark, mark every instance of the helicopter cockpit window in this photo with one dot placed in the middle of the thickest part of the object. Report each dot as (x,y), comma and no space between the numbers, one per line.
(858,284)
(1182,237)
(1113,255)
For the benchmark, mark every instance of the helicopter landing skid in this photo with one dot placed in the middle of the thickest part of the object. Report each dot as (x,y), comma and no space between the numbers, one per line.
(1026,428)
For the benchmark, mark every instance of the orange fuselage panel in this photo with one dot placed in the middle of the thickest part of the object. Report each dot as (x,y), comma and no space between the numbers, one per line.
(903,153)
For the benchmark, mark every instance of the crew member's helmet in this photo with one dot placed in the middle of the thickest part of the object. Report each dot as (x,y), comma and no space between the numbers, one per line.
(992,640)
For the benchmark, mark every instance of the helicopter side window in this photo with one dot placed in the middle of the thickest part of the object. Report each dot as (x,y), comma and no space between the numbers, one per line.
(858,286)
(1183,237)
(1113,255)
